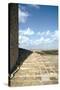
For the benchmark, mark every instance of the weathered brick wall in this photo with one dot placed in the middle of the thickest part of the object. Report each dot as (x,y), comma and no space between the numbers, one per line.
(13,28)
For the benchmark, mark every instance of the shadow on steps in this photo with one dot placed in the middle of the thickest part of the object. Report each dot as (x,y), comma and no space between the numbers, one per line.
(23,54)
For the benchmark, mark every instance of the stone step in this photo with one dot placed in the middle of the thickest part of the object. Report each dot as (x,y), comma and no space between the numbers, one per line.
(29,75)
(31,79)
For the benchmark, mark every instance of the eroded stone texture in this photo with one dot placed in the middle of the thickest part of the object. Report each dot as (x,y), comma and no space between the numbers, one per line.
(37,70)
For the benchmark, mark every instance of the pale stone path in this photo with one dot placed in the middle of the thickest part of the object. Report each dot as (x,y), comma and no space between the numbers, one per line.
(37,70)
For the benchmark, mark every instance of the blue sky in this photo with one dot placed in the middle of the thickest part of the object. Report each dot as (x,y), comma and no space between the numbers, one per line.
(38,26)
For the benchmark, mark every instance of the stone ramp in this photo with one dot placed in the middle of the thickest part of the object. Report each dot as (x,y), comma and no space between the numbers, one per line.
(37,70)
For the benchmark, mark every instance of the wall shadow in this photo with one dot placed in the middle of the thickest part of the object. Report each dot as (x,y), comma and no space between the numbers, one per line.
(22,55)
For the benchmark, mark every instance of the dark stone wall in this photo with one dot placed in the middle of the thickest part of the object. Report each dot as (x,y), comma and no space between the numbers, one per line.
(13,29)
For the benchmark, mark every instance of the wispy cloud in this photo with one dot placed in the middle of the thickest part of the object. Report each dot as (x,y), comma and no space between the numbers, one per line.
(36,6)
(23,15)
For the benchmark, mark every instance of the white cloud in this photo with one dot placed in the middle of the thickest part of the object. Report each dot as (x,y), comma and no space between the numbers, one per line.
(38,41)
(23,16)
(27,32)
(44,33)
(55,34)
(48,32)
(41,33)
(45,39)
(38,33)
(36,6)
(42,40)
(23,40)
(24,37)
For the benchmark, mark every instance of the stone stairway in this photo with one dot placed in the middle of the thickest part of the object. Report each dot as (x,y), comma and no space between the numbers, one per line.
(37,70)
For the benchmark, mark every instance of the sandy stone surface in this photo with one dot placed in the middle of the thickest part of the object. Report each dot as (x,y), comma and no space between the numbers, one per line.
(37,70)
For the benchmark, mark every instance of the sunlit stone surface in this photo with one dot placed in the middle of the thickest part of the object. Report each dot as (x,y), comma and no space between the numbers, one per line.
(37,70)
